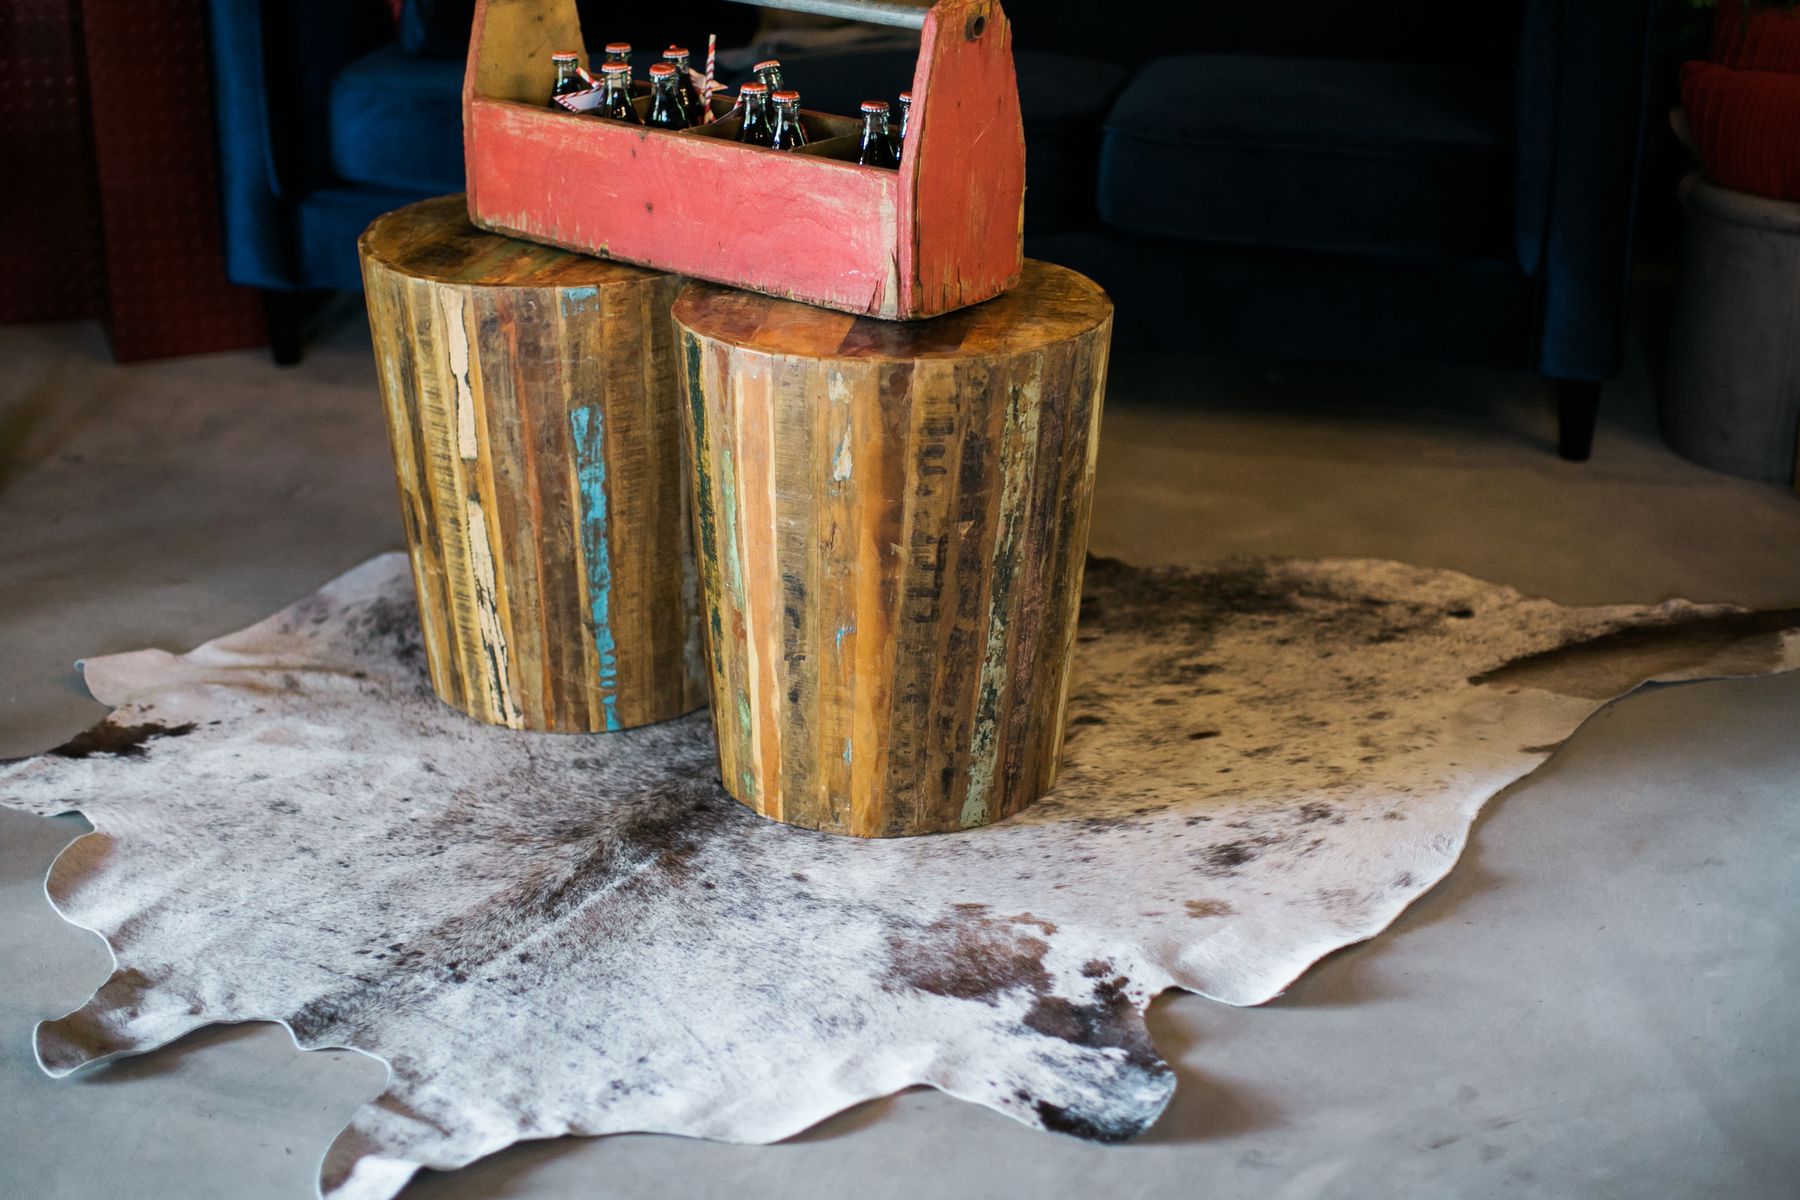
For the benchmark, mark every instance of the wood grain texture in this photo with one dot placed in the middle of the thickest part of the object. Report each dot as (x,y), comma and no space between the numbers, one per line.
(960,244)
(533,409)
(892,522)
(939,234)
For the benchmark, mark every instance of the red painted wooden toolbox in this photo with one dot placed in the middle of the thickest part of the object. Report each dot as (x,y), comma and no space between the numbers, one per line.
(941,233)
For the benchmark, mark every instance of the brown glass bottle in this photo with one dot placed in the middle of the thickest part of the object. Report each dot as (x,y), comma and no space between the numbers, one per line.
(666,109)
(678,57)
(615,100)
(905,124)
(787,133)
(753,103)
(877,149)
(568,75)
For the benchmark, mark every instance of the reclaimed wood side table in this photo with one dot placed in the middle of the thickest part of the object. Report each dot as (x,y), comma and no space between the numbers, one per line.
(532,401)
(892,520)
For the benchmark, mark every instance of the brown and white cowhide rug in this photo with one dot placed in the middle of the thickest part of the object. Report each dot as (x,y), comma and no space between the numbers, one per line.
(546,934)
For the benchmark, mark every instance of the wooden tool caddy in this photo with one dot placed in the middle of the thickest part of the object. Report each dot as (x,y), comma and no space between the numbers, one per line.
(939,234)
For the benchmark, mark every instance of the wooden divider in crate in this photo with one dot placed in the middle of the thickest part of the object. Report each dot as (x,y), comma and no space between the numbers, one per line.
(940,233)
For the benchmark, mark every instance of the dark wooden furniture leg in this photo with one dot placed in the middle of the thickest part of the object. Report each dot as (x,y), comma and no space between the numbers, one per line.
(1577,411)
(285,312)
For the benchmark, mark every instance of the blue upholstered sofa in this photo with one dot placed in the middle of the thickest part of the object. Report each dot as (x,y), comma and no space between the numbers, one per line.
(1319,178)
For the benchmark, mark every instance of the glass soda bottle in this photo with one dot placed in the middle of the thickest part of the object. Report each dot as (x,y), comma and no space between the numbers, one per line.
(753,99)
(615,101)
(768,73)
(666,109)
(877,149)
(568,75)
(618,52)
(678,57)
(788,133)
(905,124)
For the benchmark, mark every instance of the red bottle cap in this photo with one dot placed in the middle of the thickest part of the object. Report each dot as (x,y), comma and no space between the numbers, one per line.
(768,64)
(676,52)
(785,96)
(906,97)
(565,56)
(875,106)
(618,47)
(660,70)
(752,89)
(615,69)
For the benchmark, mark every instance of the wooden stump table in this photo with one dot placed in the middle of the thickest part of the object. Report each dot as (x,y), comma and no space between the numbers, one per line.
(532,401)
(892,521)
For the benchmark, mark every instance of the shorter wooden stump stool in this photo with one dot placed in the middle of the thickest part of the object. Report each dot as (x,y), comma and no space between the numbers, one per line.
(892,521)
(532,401)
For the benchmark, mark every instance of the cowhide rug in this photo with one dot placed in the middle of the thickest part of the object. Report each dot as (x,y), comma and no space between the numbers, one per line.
(544,935)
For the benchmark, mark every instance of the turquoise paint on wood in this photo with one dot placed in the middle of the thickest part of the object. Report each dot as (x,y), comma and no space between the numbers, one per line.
(576,298)
(588,425)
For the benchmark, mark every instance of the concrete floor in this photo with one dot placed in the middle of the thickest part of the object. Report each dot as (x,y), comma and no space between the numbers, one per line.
(1599,1002)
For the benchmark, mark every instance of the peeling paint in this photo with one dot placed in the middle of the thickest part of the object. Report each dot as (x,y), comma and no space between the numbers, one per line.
(487,616)
(838,391)
(588,426)
(840,462)
(575,299)
(708,549)
(456,345)
(734,570)
(1018,464)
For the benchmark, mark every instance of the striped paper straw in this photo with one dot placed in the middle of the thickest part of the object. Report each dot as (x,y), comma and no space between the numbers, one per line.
(712,56)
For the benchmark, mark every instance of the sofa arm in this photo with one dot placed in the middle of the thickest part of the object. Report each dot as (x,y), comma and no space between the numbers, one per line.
(273,64)
(258,252)
(1581,98)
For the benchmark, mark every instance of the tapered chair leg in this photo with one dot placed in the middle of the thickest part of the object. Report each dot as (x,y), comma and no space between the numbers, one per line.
(1577,412)
(285,312)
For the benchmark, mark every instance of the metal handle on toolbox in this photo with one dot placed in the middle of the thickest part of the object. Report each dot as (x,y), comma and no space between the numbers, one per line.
(907,14)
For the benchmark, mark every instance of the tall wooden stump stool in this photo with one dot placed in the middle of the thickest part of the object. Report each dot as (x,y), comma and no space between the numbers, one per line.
(532,400)
(892,521)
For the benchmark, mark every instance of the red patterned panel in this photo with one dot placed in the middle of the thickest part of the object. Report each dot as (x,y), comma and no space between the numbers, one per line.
(50,263)
(150,92)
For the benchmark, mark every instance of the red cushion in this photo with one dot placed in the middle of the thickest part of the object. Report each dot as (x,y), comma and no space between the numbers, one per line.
(1768,40)
(1746,126)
